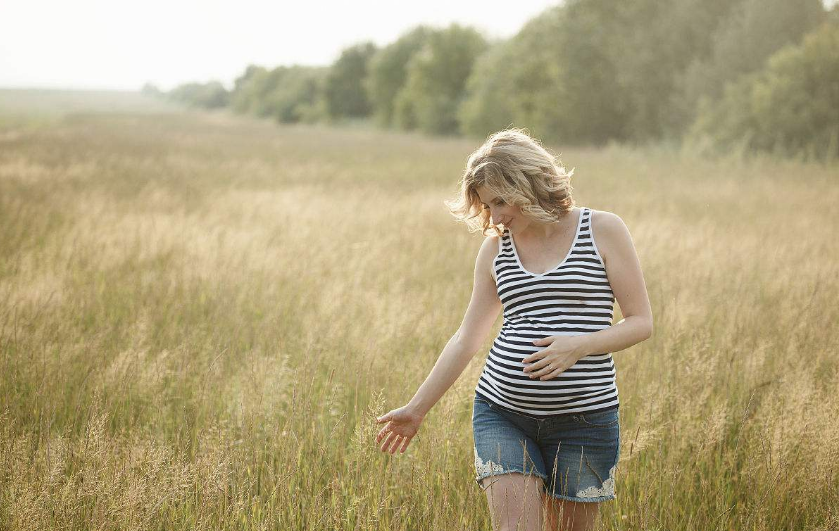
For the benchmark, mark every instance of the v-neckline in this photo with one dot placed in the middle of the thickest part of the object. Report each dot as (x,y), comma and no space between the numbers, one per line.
(570,249)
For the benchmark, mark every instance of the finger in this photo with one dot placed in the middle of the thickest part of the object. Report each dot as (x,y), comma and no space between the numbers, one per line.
(547,369)
(395,445)
(383,418)
(542,340)
(392,443)
(535,366)
(553,374)
(541,372)
(387,440)
(382,433)
(535,356)
(405,444)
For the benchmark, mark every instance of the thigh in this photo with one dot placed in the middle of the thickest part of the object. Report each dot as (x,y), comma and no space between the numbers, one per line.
(503,444)
(567,515)
(581,453)
(515,501)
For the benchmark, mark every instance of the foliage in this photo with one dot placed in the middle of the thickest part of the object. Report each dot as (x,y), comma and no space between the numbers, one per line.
(210,95)
(251,89)
(590,71)
(287,94)
(652,45)
(487,106)
(791,106)
(581,72)
(742,43)
(437,78)
(344,92)
(589,102)
(150,89)
(388,72)
(516,81)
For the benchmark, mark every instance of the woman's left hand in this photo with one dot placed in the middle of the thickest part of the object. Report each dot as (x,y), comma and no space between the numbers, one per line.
(562,352)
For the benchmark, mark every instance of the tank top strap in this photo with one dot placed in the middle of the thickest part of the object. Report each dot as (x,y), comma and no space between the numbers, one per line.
(585,223)
(582,227)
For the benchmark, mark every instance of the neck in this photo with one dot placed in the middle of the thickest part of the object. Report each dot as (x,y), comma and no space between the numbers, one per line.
(539,230)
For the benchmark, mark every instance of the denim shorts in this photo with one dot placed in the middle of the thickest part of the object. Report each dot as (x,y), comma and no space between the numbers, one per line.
(575,454)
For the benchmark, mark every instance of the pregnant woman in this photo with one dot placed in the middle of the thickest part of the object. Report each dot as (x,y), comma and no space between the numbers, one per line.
(545,412)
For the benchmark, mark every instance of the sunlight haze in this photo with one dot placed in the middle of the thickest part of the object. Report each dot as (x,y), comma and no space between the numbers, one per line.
(96,44)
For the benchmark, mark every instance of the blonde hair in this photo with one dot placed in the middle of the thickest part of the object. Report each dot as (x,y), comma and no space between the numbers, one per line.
(516,168)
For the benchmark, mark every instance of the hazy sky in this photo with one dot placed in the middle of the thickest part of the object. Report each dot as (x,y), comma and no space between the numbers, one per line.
(122,45)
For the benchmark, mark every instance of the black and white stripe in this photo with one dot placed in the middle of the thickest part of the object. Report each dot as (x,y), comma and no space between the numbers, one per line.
(571,299)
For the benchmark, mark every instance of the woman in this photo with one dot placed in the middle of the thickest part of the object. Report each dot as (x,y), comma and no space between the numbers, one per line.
(545,412)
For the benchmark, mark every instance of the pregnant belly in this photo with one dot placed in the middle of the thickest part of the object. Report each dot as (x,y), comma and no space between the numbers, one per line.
(511,347)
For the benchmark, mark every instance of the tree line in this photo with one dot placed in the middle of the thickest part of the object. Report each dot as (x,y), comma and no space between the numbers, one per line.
(726,74)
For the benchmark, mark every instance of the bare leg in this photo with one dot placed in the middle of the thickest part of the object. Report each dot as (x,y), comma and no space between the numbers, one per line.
(565,515)
(515,501)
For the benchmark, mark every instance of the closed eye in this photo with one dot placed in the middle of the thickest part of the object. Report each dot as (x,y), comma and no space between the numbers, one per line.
(497,203)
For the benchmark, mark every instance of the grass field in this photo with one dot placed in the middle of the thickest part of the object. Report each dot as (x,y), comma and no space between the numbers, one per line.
(201,315)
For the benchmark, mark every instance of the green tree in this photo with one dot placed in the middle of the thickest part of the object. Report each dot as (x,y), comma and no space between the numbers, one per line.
(790,107)
(652,45)
(150,89)
(250,91)
(388,72)
(743,41)
(344,89)
(591,105)
(556,77)
(436,80)
(518,81)
(244,89)
(287,94)
(210,95)
(298,95)
(488,104)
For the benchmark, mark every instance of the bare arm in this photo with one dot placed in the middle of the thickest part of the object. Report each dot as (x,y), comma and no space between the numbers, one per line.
(483,309)
(481,313)
(623,270)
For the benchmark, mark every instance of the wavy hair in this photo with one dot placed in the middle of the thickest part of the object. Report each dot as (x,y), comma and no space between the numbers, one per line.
(516,168)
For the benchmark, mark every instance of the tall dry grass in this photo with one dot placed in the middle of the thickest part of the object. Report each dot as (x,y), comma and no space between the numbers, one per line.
(201,315)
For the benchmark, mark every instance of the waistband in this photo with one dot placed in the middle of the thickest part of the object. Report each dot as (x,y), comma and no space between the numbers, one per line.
(542,417)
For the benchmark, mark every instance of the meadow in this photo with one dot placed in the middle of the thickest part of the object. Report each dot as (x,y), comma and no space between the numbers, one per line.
(201,315)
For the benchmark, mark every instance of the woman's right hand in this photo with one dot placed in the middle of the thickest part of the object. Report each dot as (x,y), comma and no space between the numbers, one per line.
(402,425)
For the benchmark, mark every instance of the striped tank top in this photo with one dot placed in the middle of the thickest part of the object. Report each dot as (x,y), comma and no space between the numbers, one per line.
(571,299)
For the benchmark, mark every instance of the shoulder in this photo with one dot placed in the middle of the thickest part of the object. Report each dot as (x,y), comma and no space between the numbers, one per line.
(609,232)
(487,253)
(489,248)
(606,223)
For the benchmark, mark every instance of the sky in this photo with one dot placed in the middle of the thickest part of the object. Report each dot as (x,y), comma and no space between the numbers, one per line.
(116,44)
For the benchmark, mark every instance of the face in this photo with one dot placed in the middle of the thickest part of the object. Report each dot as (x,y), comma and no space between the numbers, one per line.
(500,212)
